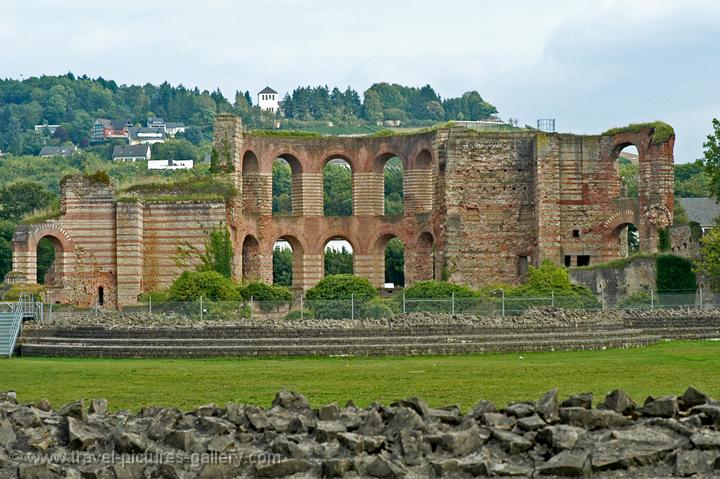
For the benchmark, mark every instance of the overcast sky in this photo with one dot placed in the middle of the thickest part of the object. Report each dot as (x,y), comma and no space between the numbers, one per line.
(589,64)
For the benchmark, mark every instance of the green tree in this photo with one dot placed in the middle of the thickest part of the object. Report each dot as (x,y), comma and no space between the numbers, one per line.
(282,188)
(710,254)
(282,267)
(5,257)
(337,190)
(711,160)
(338,261)
(395,262)
(21,198)
(218,255)
(45,258)
(393,174)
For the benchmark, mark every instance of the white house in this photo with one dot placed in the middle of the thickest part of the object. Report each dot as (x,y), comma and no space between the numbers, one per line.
(131,153)
(171,128)
(170,164)
(268,100)
(146,136)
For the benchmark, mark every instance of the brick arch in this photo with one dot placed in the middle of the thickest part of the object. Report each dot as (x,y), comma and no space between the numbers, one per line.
(341,155)
(614,245)
(250,163)
(25,252)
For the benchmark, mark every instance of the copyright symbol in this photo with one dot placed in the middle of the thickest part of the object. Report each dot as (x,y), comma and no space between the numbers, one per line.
(17,456)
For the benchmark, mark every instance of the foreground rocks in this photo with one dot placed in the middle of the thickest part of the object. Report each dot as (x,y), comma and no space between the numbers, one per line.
(666,436)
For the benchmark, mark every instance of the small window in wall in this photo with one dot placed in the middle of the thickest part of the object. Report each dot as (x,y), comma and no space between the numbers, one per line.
(568,260)
(522,265)
(576,233)
(101,296)
(583,260)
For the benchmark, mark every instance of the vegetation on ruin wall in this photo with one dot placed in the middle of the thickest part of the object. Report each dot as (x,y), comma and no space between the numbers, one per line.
(286,133)
(192,188)
(662,132)
(667,368)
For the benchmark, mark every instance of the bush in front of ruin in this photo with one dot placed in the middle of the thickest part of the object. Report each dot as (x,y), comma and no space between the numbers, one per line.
(442,297)
(340,296)
(547,281)
(209,285)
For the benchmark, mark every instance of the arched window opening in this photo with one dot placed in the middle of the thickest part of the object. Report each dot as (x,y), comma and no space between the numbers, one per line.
(395,262)
(338,257)
(337,188)
(628,239)
(393,187)
(627,166)
(282,194)
(49,252)
(282,263)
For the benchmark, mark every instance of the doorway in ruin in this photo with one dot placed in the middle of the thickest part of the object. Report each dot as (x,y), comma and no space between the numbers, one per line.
(337,187)
(287,262)
(627,239)
(338,256)
(49,253)
(389,259)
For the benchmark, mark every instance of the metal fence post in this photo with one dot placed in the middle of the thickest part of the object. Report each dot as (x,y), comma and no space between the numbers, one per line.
(252,309)
(201,309)
(652,299)
(403,302)
(150,306)
(302,313)
(701,298)
(453,303)
(352,306)
(503,302)
(552,294)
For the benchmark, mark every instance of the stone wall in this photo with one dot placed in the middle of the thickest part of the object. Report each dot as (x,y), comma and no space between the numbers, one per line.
(612,285)
(479,208)
(109,252)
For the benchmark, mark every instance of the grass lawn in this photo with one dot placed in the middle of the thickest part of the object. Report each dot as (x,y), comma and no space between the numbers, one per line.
(666,368)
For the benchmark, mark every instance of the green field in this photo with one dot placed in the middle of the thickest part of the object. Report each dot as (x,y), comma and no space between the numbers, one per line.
(666,368)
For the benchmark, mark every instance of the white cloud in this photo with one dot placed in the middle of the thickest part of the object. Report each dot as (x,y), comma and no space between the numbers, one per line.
(590,64)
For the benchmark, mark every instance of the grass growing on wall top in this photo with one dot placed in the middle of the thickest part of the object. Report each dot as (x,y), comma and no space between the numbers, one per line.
(661,130)
(187,188)
(661,369)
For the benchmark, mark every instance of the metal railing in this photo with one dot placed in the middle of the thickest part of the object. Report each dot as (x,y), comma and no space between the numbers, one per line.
(498,303)
(23,307)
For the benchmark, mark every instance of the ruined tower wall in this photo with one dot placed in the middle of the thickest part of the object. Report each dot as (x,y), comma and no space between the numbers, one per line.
(490,223)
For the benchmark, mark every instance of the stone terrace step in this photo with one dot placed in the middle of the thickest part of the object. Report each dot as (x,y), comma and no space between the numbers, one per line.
(171,340)
(348,348)
(263,332)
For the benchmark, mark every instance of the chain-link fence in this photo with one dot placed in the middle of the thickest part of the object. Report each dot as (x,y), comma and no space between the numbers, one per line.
(496,303)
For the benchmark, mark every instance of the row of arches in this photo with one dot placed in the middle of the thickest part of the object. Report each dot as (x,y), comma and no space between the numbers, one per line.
(387,262)
(393,187)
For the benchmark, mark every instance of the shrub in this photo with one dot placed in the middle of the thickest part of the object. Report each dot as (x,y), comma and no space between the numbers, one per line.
(637,300)
(547,281)
(331,297)
(420,296)
(376,308)
(295,315)
(155,296)
(259,291)
(191,285)
(674,274)
(13,294)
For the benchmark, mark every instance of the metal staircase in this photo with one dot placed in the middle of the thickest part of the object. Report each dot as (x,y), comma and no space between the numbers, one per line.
(11,318)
